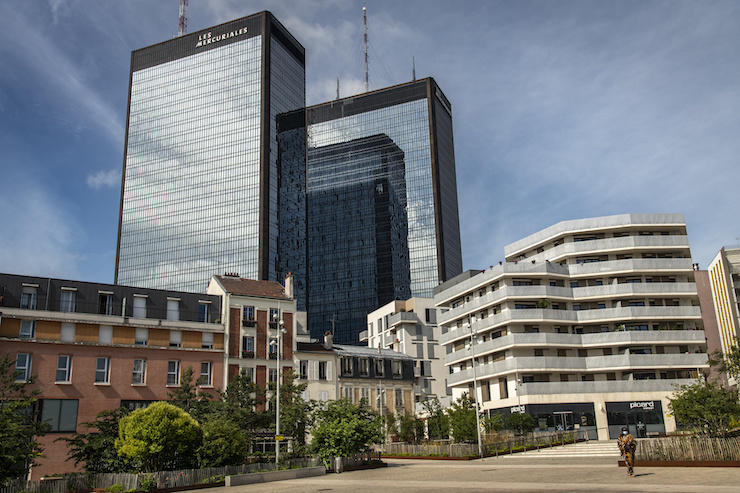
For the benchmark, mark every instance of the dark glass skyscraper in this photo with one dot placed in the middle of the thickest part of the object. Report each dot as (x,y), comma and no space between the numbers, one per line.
(382,202)
(200,191)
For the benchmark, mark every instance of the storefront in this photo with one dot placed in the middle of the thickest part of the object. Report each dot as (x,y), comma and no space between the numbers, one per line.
(642,418)
(557,417)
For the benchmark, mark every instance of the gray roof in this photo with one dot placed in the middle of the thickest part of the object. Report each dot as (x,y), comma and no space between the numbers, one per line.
(344,350)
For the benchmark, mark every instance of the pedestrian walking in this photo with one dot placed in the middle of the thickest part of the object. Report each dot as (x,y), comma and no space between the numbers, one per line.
(627,447)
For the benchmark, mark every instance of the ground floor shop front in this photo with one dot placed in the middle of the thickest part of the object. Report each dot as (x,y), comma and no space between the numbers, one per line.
(597,420)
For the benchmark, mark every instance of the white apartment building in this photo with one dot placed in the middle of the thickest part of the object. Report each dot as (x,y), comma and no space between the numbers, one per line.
(589,324)
(724,277)
(410,327)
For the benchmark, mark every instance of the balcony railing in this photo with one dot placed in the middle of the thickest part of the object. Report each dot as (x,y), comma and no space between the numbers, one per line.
(248,354)
(620,362)
(579,341)
(573,317)
(612,386)
(249,323)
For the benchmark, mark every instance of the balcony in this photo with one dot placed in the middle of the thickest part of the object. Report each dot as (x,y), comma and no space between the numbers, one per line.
(402,318)
(625,243)
(620,362)
(579,341)
(602,386)
(249,323)
(364,336)
(247,354)
(574,317)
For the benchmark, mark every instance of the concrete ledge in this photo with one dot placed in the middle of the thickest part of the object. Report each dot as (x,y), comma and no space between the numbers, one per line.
(266,477)
(683,463)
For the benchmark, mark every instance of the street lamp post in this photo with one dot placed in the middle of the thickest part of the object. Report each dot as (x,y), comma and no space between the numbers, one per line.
(475,389)
(277,393)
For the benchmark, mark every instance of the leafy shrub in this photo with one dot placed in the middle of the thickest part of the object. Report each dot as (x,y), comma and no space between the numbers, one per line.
(147,482)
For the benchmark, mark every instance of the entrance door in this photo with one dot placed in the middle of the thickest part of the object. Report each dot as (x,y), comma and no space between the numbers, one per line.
(563,420)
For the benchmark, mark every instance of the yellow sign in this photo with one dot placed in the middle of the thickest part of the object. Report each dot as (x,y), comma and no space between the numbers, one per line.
(279,438)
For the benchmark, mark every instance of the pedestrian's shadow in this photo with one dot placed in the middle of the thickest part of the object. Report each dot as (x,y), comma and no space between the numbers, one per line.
(643,474)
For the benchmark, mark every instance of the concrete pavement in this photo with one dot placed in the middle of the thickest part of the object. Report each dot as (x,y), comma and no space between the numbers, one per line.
(517,475)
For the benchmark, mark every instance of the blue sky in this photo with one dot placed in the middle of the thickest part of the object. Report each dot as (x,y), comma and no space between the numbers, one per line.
(561,110)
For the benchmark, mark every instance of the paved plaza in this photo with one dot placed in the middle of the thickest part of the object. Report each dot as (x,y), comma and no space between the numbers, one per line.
(501,474)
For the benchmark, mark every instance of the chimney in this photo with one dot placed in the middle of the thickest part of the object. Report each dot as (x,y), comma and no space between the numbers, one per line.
(289,285)
(328,340)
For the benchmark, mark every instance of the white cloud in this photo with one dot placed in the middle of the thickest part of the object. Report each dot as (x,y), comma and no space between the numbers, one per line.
(104,179)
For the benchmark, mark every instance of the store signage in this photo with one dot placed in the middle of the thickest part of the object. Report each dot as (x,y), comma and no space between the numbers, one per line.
(517,409)
(649,405)
(208,38)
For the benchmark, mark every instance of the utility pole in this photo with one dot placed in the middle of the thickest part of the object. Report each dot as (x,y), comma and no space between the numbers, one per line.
(183,18)
(367,78)
(475,388)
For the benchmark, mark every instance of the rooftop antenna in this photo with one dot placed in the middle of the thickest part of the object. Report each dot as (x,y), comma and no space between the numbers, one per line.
(413,71)
(183,18)
(364,19)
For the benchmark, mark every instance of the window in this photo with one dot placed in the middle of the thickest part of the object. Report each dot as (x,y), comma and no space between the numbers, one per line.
(248,313)
(206,374)
(102,370)
(67,300)
(139,306)
(204,311)
(348,394)
(249,373)
(175,338)
(272,375)
(105,334)
(207,340)
(303,366)
(379,367)
(322,370)
(364,367)
(396,368)
(105,303)
(28,329)
(138,377)
(142,337)
(399,397)
(323,395)
(274,315)
(365,395)
(61,414)
(173,373)
(247,347)
(305,395)
(173,309)
(67,332)
(273,347)
(22,367)
(347,368)
(28,297)
(431,315)
(64,369)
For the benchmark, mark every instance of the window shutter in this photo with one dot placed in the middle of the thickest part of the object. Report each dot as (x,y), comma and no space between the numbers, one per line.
(328,370)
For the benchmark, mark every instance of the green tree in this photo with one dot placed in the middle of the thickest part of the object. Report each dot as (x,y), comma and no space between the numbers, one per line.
(96,449)
(410,428)
(391,425)
(462,419)
(438,423)
(18,426)
(493,423)
(342,429)
(524,423)
(223,444)
(186,396)
(707,406)
(239,402)
(295,413)
(728,362)
(160,437)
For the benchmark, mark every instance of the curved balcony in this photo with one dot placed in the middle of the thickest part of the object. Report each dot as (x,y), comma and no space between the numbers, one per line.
(579,341)
(547,315)
(621,244)
(652,289)
(620,362)
(631,266)
(602,386)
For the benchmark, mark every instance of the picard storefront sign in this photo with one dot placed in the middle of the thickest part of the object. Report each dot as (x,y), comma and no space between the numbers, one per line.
(642,418)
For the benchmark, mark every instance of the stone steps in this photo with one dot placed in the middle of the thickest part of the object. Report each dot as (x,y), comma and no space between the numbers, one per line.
(583,449)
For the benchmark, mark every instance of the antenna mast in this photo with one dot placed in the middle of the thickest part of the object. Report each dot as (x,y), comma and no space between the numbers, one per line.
(364,20)
(183,18)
